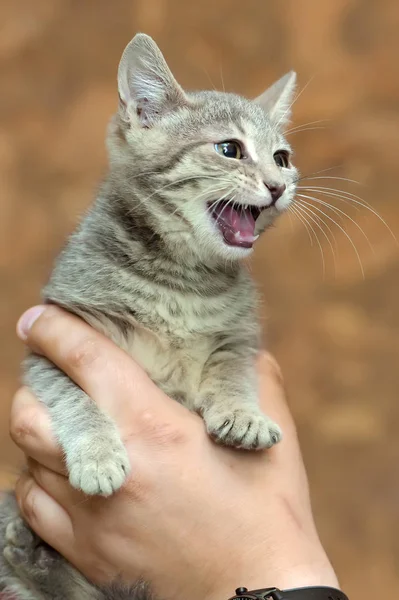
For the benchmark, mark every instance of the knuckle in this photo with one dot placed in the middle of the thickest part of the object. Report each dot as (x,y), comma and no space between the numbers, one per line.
(161,432)
(167,434)
(83,354)
(28,502)
(23,426)
(139,487)
(80,348)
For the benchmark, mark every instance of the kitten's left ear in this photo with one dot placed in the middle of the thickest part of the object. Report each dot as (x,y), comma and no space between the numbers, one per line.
(147,88)
(278,98)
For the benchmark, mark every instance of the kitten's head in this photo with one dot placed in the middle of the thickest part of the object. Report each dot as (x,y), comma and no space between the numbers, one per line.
(213,169)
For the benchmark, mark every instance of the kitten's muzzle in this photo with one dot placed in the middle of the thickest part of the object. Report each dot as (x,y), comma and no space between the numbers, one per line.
(276,191)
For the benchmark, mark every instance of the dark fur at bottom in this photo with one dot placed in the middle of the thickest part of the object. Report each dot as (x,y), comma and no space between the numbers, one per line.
(35,571)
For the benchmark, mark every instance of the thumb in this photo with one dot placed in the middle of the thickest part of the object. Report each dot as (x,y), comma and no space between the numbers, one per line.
(103,370)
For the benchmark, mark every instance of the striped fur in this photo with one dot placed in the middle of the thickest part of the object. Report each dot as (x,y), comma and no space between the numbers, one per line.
(148,267)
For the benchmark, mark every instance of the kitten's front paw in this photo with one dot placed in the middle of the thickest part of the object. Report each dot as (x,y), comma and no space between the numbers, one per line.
(24,550)
(98,466)
(242,428)
(19,543)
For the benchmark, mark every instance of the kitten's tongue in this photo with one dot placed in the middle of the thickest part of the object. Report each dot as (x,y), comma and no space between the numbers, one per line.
(237,226)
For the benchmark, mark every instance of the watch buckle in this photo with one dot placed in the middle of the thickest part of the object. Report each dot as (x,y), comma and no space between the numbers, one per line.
(272,594)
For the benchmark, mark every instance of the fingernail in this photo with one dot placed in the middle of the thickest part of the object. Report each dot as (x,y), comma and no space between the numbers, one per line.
(26,321)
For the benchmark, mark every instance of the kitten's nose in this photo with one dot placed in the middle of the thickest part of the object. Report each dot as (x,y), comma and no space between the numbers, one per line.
(276,191)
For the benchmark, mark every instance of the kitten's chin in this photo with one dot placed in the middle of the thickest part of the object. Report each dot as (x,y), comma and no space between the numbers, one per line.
(236,252)
(227,251)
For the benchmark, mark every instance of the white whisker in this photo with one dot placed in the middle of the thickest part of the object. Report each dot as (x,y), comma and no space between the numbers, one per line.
(306,125)
(209,78)
(198,196)
(221,77)
(297,208)
(172,183)
(303,129)
(317,172)
(331,192)
(319,191)
(291,221)
(214,204)
(298,216)
(318,218)
(226,205)
(327,225)
(339,211)
(143,174)
(350,241)
(334,177)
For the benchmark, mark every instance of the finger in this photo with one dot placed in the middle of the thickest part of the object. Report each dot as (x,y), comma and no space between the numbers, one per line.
(268,365)
(104,371)
(273,402)
(44,515)
(285,456)
(30,429)
(271,391)
(57,486)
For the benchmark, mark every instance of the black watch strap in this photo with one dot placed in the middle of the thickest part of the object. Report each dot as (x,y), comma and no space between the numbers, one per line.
(306,593)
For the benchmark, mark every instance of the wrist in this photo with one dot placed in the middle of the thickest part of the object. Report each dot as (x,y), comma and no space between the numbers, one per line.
(300,573)
(284,572)
(306,577)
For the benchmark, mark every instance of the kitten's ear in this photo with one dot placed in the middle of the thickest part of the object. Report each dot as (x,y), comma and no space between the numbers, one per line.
(147,88)
(278,98)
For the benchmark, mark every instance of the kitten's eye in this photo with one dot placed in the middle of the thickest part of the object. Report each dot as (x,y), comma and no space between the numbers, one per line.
(229,149)
(282,159)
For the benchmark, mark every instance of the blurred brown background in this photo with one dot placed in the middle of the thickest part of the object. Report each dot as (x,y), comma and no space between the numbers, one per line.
(335,335)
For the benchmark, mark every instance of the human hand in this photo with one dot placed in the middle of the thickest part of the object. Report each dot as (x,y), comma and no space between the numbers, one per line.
(194,519)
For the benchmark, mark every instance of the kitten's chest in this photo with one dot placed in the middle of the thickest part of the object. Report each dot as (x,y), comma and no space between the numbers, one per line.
(180,319)
(177,337)
(172,334)
(175,368)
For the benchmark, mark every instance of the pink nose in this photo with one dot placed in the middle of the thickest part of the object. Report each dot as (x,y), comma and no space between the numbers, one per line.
(276,191)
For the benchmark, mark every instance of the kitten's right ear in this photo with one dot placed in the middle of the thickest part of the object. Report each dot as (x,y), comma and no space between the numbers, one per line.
(147,88)
(277,100)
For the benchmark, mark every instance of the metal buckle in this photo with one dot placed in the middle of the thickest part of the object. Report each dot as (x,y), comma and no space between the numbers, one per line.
(263,594)
(272,594)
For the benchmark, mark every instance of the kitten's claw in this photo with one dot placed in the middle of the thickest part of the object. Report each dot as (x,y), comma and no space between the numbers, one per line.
(100,468)
(242,428)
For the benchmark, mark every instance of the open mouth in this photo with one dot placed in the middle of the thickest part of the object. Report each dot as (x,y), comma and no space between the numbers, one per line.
(236,222)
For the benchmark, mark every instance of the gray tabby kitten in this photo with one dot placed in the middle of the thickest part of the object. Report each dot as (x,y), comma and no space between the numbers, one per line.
(194,178)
